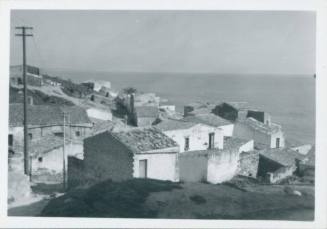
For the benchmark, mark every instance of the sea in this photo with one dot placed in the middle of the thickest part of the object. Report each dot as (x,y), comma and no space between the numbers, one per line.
(290,99)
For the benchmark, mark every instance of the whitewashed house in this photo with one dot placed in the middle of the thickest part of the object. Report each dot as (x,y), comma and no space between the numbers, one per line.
(192,136)
(264,135)
(213,120)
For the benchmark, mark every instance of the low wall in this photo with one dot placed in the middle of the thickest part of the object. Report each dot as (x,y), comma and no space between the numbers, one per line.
(193,168)
(280,174)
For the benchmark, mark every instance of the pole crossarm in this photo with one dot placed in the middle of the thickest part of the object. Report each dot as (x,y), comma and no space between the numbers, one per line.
(23,27)
(25,35)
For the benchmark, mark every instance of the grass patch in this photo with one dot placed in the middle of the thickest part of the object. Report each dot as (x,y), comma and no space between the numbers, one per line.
(198,199)
(109,199)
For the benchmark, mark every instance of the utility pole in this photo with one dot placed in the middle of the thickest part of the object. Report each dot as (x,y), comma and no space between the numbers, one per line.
(26,153)
(64,155)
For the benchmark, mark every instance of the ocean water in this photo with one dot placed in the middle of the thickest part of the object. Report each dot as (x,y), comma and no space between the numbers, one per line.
(289,99)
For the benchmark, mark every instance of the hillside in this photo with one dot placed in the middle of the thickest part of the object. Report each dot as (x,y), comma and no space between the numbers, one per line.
(39,98)
(140,198)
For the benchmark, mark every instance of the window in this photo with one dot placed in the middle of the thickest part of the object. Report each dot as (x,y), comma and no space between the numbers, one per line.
(277,142)
(211,140)
(40,159)
(30,136)
(92,98)
(187,144)
(10,140)
(107,94)
(77,133)
(59,134)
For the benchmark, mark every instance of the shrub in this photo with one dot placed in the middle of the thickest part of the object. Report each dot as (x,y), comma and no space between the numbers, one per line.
(198,199)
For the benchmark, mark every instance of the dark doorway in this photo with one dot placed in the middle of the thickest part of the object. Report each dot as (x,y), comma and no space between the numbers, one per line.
(211,140)
(187,144)
(277,142)
(143,167)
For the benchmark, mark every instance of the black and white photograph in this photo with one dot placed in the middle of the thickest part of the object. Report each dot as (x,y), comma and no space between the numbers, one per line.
(162,114)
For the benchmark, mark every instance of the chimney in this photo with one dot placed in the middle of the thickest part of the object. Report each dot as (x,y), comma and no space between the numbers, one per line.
(132,95)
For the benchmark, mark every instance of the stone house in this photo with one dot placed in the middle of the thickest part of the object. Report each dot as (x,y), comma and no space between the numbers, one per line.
(144,116)
(213,120)
(277,164)
(264,135)
(33,75)
(192,136)
(231,111)
(135,153)
(44,120)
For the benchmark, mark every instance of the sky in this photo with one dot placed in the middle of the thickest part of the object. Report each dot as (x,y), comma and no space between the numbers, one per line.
(222,42)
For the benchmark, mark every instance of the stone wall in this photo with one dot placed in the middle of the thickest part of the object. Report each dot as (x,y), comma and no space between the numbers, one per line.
(76,172)
(248,164)
(280,174)
(107,158)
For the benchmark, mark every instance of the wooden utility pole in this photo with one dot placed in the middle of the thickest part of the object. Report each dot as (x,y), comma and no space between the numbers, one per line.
(64,155)
(26,153)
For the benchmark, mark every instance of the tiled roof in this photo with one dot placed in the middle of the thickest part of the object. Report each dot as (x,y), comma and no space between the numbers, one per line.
(46,144)
(283,156)
(46,115)
(208,119)
(234,142)
(145,139)
(174,124)
(147,111)
(259,126)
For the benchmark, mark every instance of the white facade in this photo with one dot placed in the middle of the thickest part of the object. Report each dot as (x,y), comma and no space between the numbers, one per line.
(99,114)
(260,137)
(222,167)
(53,160)
(248,146)
(198,137)
(160,165)
(227,130)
